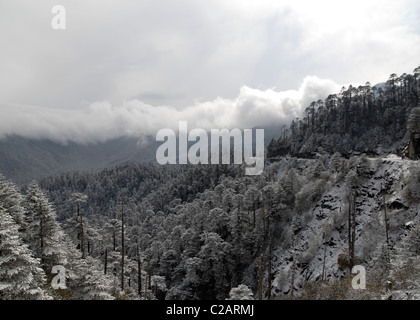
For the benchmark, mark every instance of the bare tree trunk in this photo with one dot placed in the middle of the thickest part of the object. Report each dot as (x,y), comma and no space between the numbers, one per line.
(106,261)
(82,235)
(264,223)
(349,225)
(353,237)
(239,219)
(114,236)
(149,271)
(325,255)
(254,217)
(292,282)
(260,275)
(41,235)
(122,244)
(386,222)
(269,265)
(138,271)
(293,269)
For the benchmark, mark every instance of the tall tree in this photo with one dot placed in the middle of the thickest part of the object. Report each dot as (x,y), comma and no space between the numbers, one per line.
(78,199)
(138,271)
(122,244)
(269,275)
(21,276)
(260,275)
(12,201)
(44,235)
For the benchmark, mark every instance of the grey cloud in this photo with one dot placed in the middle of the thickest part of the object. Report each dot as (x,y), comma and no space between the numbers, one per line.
(196,50)
(101,120)
(155,62)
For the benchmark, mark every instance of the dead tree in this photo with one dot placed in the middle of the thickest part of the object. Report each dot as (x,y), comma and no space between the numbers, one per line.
(292,282)
(149,270)
(122,244)
(106,261)
(138,270)
(269,266)
(386,221)
(352,227)
(79,198)
(260,274)
(293,273)
(325,255)
(353,236)
(349,216)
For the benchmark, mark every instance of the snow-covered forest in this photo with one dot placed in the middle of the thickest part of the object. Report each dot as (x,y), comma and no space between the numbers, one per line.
(341,187)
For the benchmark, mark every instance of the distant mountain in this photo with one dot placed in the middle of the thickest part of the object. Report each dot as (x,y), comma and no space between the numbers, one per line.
(23,159)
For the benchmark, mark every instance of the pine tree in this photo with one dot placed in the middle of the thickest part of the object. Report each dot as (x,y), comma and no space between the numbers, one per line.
(79,199)
(413,122)
(336,162)
(21,277)
(91,283)
(44,235)
(12,200)
(214,253)
(85,279)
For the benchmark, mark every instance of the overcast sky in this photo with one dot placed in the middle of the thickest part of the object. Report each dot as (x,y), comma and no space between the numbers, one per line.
(134,67)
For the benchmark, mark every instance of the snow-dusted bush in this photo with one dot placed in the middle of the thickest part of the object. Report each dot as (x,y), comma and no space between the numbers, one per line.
(242,292)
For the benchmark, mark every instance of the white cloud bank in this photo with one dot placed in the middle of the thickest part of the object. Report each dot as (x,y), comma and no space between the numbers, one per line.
(100,121)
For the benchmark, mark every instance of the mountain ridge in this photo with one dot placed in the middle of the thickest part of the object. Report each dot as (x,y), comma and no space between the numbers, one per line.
(25,159)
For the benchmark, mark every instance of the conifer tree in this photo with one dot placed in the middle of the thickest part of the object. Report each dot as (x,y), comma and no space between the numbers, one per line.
(12,200)
(21,277)
(44,235)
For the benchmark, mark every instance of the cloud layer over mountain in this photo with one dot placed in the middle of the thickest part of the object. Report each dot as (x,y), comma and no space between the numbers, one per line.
(101,121)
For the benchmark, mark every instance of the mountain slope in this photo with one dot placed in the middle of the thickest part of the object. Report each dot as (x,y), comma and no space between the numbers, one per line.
(362,119)
(205,227)
(324,227)
(23,160)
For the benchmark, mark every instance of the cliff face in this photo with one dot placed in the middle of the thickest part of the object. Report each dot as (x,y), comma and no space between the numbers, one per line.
(323,236)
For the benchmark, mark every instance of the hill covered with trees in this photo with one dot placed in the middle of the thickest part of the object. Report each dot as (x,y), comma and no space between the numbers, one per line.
(145,231)
(363,119)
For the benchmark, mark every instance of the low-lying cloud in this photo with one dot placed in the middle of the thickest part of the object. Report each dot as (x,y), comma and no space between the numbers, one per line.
(101,121)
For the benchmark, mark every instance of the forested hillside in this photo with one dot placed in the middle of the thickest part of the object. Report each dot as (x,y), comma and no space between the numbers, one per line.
(145,231)
(363,119)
